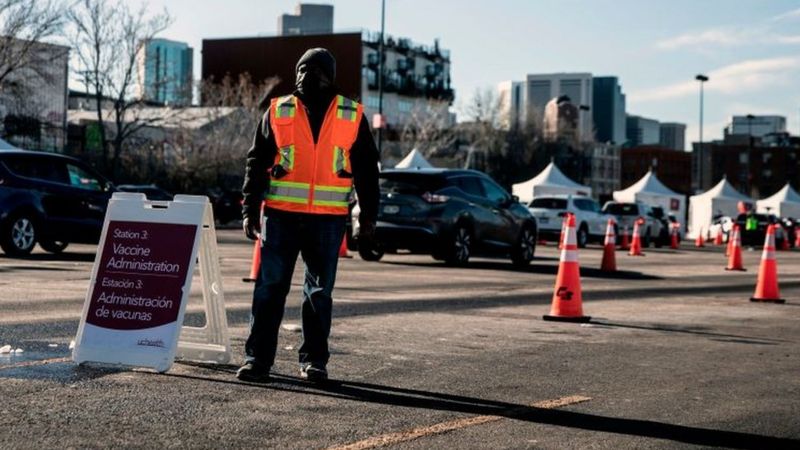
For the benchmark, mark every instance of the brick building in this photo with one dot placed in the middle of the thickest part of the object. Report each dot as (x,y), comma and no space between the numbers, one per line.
(673,167)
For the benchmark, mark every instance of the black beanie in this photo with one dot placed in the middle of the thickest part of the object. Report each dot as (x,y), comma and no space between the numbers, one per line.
(322,59)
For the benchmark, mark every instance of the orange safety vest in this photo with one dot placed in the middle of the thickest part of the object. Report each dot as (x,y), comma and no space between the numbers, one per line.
(318,177)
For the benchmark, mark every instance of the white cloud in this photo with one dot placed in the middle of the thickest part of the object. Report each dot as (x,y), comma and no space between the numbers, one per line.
(745,76)
(717,36)
(727,37)
(789,15)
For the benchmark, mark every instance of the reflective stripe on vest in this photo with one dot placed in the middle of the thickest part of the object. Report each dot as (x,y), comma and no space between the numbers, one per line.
(332,196)
(288,191)
(346,109)
(286,107)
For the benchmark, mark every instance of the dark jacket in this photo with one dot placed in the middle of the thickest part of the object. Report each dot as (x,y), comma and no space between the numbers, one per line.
(261,156)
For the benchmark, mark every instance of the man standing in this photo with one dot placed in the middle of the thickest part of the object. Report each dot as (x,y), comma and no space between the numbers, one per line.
(309,149)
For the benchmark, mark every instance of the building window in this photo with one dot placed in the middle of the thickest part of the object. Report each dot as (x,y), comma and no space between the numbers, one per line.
(372,102)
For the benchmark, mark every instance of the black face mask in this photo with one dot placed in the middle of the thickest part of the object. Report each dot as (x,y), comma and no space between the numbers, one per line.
(311,82)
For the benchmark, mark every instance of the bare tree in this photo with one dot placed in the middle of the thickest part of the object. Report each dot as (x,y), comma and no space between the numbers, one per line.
(506,149)
(428,129)
(24,24)
(107,38)
(201,149)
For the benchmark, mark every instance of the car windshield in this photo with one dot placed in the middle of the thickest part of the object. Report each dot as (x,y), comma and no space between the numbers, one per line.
(410,183)
(621,209)
(549,203)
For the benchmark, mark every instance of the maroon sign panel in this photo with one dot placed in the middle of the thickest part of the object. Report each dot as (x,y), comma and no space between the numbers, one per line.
(141,275)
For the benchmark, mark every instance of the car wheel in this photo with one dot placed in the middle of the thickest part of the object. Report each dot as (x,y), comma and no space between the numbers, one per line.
(54,247)
(583,236)
(18,235)
(460,247)
(372,252)
(523,251)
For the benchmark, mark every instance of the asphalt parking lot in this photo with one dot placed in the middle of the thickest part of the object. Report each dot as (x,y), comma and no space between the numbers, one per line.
(426,356)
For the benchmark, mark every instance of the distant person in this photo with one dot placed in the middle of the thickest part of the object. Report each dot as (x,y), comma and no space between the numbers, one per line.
(309,149)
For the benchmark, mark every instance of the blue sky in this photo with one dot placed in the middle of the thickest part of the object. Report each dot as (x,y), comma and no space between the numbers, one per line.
(749,48)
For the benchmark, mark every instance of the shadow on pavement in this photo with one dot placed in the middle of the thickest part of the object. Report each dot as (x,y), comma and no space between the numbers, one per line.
(669,329)
(533,268)
(64,257)
(392,396)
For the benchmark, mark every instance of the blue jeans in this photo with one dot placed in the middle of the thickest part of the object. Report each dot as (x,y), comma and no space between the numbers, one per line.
(317,238)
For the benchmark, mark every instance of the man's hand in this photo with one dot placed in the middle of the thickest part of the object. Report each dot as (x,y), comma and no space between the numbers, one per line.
(366,232)
(251,228)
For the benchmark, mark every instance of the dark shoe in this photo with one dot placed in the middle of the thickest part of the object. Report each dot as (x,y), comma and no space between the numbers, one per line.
(313,373)
(253,372)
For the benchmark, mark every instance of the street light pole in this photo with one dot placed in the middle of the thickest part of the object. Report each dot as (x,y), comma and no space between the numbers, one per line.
(380,79)
(702,79)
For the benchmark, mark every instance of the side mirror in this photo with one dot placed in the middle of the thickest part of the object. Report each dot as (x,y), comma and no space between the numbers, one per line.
(514,199)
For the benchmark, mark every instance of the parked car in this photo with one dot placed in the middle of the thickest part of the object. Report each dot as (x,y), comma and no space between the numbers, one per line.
(627,213)
(721,224)
(451,215)
(151,191)
(755,238)
(590,221)
(50,199)
(227,204)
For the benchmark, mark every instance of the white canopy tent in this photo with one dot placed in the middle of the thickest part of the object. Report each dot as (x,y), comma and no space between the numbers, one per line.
(550,181)
(414,160)
(5,145)
(721,199)
(784,203)
(651,191)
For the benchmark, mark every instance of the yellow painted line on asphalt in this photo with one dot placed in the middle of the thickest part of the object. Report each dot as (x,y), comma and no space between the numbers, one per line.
(40,362)
(444,427)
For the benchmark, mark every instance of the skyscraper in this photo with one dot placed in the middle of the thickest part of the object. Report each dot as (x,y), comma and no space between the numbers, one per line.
(577,86)
(165,72)
(608,110)
(673,135)
(307,19)
(642,131)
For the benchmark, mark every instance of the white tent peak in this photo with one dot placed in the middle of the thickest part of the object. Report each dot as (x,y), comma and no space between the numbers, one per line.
(552,175)
(786,194)
(784,203)
(649,183)
(414,160)
(550,181)
(5,145)
(724,189)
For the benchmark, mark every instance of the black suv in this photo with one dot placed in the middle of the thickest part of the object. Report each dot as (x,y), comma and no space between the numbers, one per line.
(451,215)
(50,199)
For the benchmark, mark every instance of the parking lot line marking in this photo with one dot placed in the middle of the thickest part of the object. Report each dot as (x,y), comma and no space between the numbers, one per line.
(444,427)
(40,362)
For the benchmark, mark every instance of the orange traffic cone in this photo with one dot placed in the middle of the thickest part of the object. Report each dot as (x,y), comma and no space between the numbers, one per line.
(673,237)
(567,301)
(735,254)
(255,264)
(625,244)
(636,245)
(699,242)
(767,285)
(718,237)
(343,248)
(609,263)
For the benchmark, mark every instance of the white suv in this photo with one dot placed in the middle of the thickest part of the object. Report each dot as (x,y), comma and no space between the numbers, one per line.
(549,211)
